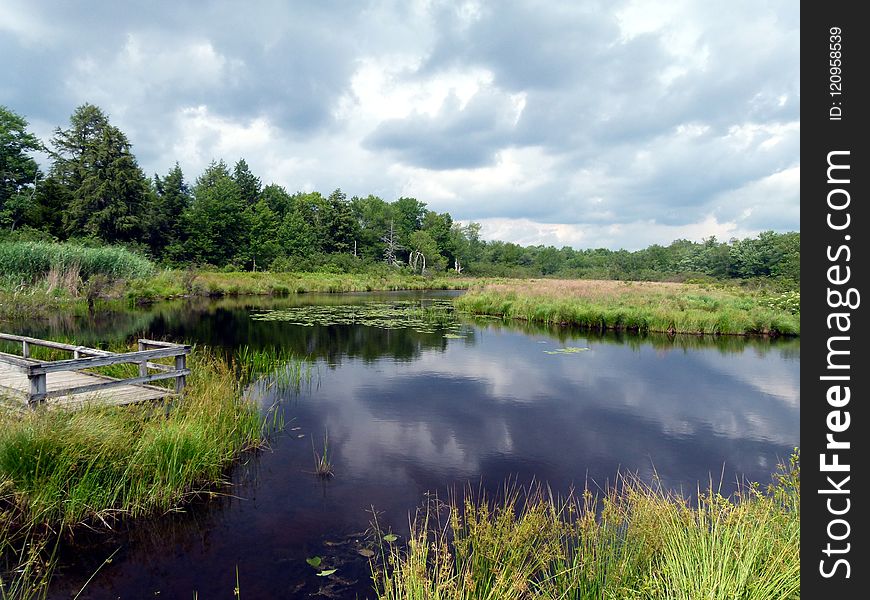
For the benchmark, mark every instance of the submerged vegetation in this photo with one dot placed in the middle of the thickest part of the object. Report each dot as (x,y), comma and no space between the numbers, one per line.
(638,541)
(638,306)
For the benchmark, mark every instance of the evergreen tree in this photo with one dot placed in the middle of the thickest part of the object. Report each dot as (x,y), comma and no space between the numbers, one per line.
(249,184)
(215,223)
(107,189)
(18,171)
(338,222)
(264,246)
(170,198)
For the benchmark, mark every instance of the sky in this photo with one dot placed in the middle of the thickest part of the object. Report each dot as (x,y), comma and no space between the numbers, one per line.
(615,124)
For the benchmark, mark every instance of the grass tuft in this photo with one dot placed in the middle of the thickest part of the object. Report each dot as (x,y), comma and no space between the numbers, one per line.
(638,541)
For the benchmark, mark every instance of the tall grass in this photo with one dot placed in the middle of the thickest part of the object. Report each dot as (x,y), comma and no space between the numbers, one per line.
(30,261)
(279,368)
(60,470)
(638,541)
(635,306)
(66,468)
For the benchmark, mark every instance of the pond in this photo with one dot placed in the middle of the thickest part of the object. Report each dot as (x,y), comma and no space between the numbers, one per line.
(414,400)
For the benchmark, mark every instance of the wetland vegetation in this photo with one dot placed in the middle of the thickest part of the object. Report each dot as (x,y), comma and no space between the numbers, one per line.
(420,395)
(101,466)
(61,471)
(634,540)
(639,306)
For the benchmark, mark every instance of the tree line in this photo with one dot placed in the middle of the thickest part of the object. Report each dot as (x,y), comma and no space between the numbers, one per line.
(95,192)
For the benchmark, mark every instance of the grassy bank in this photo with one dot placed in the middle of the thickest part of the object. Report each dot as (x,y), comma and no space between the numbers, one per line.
(639,306)
(60,470)
(638,542)
(70,294)
(173,283)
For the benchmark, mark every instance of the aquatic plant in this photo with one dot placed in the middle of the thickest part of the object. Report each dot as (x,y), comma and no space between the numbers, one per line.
(29,261)
(65,468)
(322,464)
(432,317)
(636,541)
(276,366)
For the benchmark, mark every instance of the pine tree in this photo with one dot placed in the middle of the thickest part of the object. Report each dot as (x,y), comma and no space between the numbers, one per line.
(215,224)
(107,189)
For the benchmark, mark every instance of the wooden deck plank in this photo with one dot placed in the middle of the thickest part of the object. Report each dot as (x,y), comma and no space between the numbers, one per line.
(14,385)
(26,382)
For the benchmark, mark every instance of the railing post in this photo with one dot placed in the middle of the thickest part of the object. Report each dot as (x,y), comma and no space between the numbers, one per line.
(37,388)
(25,349)
(143,366)
(180,365)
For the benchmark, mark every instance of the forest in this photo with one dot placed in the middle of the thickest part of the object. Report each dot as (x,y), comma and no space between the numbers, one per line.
(95,193)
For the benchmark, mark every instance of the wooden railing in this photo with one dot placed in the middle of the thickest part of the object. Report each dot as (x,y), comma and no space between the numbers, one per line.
(88,358)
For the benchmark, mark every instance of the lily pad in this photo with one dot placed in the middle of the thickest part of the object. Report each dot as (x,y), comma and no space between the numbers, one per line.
(566,350)
(390,537)
(422,317)
(327,572)
(314,561)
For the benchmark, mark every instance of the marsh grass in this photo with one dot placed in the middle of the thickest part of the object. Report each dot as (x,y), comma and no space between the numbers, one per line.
(635,541)
(61,470)
(172,283)
(274,366)
(637,306)
(322,464)
(63,263)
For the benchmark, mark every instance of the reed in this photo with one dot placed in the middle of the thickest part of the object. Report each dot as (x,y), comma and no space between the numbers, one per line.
(274,366)
(637,541)
(62,263)
(322,464)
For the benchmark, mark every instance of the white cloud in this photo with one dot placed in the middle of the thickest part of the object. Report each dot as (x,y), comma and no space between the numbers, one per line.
(631,235)
(614,125)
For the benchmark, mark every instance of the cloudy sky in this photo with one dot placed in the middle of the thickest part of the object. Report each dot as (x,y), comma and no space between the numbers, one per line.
(590,124)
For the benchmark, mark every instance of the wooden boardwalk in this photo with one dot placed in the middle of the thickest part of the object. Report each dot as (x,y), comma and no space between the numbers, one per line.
(27,383)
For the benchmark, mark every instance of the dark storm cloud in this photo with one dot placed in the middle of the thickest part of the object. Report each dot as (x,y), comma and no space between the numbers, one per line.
(612,112)
(457,137)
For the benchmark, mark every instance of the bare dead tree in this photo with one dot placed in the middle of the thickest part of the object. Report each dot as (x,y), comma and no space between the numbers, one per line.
(392,246)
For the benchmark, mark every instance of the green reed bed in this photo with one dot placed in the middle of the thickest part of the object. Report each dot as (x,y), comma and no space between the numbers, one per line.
(30,261)
(276,367)
(60,470)
(638,541)
(633,306)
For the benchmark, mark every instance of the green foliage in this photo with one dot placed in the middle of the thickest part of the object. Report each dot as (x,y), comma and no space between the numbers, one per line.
(670,308)
(786,301)
(96,190)
(30,261)
(635,542)
(18,170)
(215,224)
(164,224)
(105,186)
(84,466)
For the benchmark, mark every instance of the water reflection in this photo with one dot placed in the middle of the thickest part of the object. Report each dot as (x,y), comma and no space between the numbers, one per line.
(407,412)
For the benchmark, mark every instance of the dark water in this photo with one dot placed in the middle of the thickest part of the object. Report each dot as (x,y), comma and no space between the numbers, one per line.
(409,412)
